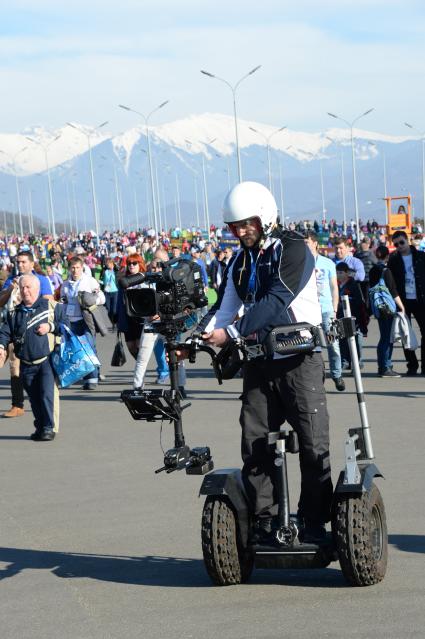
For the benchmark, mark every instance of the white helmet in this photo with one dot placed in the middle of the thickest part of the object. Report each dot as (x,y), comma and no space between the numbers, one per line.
(247,200)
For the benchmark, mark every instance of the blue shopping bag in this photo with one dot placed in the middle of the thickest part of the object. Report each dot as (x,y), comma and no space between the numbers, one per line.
(74,358)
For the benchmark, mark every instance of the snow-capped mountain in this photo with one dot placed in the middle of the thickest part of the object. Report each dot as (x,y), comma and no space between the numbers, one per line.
(180,150)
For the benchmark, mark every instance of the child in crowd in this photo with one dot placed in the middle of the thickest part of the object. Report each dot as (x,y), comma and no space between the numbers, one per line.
(348,286)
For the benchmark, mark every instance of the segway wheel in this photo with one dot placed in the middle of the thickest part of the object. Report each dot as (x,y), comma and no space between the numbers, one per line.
(226,561)
(360,533)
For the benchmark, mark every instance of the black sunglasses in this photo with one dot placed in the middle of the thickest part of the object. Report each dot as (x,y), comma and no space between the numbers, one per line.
(401,243)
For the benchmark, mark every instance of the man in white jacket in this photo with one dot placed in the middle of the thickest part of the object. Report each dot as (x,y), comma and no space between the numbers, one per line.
(79,282)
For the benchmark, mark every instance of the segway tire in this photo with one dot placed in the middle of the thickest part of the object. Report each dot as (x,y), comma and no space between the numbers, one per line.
(361,538)
(227,563)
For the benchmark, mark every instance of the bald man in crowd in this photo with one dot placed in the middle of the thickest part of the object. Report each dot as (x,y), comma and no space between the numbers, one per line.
(33,328)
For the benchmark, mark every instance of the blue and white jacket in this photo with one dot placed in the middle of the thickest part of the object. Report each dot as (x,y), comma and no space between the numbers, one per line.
(281,273)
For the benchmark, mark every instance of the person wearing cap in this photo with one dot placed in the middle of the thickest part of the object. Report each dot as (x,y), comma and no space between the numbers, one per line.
(195,252)
(175,250)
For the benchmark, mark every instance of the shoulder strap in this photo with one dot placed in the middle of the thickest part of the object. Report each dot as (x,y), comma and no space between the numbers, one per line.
(53,339)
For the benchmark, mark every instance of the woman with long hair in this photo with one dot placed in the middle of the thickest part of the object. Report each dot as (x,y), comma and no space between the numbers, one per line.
(131,327)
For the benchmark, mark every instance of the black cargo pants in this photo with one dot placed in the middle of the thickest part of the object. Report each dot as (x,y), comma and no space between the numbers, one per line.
(291,390)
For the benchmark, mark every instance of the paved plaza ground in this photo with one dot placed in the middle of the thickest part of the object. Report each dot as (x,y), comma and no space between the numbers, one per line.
(94,545)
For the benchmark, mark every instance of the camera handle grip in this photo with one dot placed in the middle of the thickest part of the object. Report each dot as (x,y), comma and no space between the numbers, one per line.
(196,345)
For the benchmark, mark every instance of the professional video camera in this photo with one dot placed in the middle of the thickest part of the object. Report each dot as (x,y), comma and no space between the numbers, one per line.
(173,294)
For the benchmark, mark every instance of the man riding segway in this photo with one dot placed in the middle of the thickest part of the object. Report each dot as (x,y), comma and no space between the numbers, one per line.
(272,278)
(268,313)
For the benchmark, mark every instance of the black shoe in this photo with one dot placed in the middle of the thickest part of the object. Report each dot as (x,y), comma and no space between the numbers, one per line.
(388,372)
(339,384)
(46,436)
(411,372)
(35,436)
(89,387)
(314,534)
(263,532)
(183,392)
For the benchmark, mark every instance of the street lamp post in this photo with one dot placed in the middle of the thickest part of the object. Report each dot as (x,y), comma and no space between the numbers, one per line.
(93,190)
(233,89)
(195,184)
(158,199)
(384,174)
(422,134)
(18,195)
(282,210)
(207,210)
(206,207)
(146,119)
(4,218)
(74,202)
(267,138)
(322,188)
(323,194)
(31,214)
(45,148)
(353,159)
(344,207)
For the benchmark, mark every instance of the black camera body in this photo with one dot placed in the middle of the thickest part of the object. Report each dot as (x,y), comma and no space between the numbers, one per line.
(173,292)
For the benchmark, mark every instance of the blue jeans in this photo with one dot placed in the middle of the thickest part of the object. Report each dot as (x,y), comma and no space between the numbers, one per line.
(384,348)
(334,353)
(162,366)
(111,300)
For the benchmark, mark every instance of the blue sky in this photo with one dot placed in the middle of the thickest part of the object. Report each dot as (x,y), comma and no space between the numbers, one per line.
(76,61)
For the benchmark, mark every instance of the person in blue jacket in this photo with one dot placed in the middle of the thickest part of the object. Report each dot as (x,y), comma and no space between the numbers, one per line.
(32,328)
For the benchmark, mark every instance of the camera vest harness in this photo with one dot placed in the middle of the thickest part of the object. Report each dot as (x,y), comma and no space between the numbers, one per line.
(272,285)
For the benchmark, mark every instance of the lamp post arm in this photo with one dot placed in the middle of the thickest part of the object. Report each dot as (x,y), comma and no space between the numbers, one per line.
(246,76)
(156,109)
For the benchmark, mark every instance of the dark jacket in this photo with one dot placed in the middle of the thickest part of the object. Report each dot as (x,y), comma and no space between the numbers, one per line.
(216,268)
(20,328)
(357,305)
(284,292)
(396,266)
(368,259)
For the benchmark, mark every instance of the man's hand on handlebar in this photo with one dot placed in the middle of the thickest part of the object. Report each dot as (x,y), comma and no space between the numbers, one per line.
(218,337)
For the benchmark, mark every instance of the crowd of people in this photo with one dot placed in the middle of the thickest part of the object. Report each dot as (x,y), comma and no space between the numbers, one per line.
(81,272)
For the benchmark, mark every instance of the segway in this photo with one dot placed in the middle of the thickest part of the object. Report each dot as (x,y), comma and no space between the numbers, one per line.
(359,533)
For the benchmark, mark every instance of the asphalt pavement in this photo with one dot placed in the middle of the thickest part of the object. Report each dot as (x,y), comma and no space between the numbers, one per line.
(94,545)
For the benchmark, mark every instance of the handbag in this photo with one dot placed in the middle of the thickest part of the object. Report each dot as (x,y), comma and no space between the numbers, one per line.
(118,356)
(74,358)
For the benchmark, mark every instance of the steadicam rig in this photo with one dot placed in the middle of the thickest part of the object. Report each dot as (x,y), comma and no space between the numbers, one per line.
(165,404)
